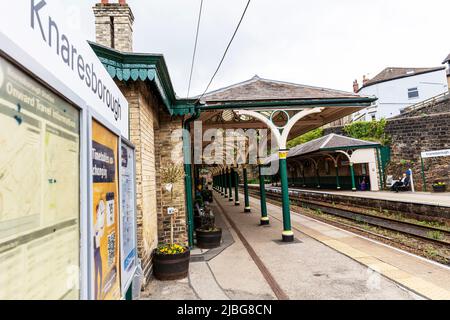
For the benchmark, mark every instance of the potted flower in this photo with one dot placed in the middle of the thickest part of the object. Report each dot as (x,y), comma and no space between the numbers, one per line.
(171,260)
(208,235)
(439,186)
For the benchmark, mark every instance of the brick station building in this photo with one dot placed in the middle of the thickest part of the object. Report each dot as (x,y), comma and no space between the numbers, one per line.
(155,114)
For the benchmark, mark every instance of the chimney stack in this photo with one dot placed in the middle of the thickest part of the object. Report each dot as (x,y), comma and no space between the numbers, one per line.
(114,25)
(355,86)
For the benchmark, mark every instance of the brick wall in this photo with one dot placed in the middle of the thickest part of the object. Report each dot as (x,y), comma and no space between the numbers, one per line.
(170,153)
(114,26)
(150,131)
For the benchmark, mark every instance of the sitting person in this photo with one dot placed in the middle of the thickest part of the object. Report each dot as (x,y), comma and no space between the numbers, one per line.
(403,182)
(363,184)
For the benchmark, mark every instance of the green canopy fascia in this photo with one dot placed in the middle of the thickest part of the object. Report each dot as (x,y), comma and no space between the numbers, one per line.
(144,67)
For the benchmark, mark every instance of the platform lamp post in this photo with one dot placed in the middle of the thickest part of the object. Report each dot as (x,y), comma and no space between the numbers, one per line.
(230,184)
(287,235)
(338,185)
(236,186)
(262,191)
(246,195)
(352,173)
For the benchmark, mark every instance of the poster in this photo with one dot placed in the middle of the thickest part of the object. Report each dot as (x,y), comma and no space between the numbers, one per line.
(128,222)
(105,213)
(39,190)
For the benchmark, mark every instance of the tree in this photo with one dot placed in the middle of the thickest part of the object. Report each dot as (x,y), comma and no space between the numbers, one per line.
(311,135)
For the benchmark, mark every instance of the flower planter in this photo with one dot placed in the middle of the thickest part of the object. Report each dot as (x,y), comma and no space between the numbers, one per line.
(171,266)
(208,239)
(439,188)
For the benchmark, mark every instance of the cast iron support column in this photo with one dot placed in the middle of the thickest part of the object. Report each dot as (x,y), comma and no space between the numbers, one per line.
(223,184)
(236,187)
(288,235)
(338,185)
(262,192)
(303,174)
(225,176)
(188,180)
(246,196)
(317,176)
(352,173)
(230,184)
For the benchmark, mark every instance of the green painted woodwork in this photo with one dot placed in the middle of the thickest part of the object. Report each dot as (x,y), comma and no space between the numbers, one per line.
(338,186)
(285,196)
(352,173)
(246,194)
(262,191)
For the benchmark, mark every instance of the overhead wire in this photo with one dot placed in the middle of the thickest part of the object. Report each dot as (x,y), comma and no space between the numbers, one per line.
(195,47)
(226,51)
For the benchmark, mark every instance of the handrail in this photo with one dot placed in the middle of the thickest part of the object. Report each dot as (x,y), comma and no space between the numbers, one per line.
(425,103)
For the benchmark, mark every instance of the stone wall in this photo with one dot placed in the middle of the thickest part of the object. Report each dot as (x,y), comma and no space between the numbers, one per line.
(413,132)
(412,135)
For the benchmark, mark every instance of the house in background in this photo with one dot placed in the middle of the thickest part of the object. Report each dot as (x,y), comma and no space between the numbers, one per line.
(446,62)
(398,88)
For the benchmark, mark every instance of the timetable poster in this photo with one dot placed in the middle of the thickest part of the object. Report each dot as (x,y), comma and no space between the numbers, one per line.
(128,216)
(106,213)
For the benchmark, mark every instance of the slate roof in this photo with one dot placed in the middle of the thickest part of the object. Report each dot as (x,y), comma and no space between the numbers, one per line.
(392,73)
(259,89)
(446,59)
(329,142)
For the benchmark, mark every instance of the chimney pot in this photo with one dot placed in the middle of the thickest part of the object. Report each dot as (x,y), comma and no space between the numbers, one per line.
(365,80)
(355,86)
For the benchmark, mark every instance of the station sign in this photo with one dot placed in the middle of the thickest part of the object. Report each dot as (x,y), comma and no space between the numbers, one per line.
(436,153)
(38,28)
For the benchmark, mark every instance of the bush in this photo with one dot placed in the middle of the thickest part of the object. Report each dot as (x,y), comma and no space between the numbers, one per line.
(368,130)
(309,136)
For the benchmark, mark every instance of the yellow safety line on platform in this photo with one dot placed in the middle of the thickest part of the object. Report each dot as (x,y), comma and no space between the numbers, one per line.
(403,278)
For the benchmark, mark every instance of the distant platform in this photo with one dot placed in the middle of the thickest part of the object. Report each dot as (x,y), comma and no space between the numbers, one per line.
(425,198)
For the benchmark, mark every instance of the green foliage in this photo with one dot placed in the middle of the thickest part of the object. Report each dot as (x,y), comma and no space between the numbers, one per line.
(368,130)
(311,135)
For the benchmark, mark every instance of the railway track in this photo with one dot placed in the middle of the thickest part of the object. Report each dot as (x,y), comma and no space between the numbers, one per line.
(430,234)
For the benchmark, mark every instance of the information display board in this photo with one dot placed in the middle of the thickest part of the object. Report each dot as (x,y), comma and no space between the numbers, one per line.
(128,216)
(105,211)
(39,190)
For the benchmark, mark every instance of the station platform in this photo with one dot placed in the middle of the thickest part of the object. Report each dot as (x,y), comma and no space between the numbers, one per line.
(324,262)
(424,198)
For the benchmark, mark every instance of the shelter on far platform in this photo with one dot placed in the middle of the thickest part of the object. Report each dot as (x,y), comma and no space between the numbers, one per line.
(335,162)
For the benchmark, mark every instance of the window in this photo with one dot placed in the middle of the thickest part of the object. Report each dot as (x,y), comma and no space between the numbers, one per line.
(413,93)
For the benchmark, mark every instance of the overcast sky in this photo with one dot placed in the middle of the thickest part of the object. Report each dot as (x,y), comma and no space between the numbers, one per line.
(325,43)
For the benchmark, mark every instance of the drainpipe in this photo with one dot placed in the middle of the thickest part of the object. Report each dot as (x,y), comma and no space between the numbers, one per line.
(188,175)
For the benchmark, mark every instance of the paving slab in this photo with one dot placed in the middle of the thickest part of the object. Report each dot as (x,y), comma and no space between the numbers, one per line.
(425,277)
(310,269)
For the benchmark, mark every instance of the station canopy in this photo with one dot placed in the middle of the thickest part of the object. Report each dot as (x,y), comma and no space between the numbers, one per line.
(287,109)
